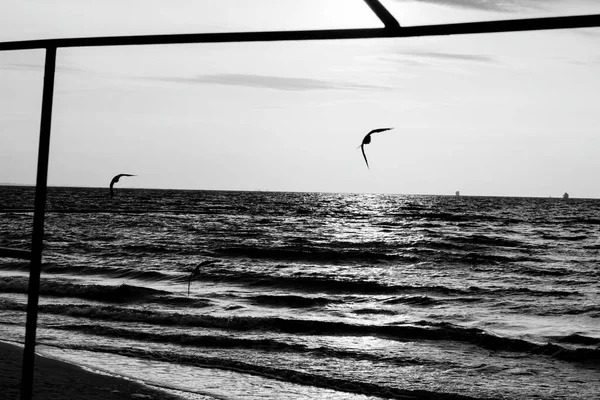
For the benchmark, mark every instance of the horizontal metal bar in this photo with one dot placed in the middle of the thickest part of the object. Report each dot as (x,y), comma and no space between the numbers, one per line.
(15,253)
(515,25)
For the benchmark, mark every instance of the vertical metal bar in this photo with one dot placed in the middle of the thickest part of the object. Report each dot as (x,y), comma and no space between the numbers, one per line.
(383,14)
(38,226)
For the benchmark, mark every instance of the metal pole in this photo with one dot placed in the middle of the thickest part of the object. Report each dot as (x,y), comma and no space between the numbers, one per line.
(37,240)
(465,28)
(383,14)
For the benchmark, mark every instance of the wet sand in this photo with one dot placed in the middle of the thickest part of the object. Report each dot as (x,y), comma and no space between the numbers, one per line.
(55,379)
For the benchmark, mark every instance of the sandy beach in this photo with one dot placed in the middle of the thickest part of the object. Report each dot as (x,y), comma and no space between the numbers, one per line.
(59,380)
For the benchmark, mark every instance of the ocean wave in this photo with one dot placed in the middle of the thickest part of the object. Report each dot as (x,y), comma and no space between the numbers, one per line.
(262,344)
(375,311)
(208,341)
(287,375)
(477,257)
(339,286)
(105,293)
(459,216)
(421,331)
(157,249)
(541,271)
(304,254)
(320,283)
(591,310)
(413,300)
(87,269)
(292,301)
(569,238)
(503,292)
(106,271)
(585,220)
(492,241)
(579,339)
(10,264)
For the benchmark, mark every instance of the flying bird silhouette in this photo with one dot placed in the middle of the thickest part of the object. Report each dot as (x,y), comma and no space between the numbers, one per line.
(115,180)
(367,140)
(196,271)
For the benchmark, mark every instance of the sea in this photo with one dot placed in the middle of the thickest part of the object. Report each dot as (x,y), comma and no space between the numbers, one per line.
(314,295)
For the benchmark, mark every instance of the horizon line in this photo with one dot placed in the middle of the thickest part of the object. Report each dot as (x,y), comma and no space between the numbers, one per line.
(3,184)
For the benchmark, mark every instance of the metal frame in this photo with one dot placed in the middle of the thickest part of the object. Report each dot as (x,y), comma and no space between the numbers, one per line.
(388,31)
(391,29)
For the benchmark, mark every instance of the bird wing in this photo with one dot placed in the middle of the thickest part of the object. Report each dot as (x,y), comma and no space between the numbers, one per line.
(117,177)
(362,147)
(379,130)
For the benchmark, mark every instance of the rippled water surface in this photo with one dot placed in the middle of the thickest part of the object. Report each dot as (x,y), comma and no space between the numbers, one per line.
(315,295)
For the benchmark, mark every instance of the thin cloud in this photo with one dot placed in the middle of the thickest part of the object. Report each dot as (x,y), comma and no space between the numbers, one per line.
(35,67)
(425,58)
(592,61)
(273,82)
(21,67)
(453,56)
(491,5)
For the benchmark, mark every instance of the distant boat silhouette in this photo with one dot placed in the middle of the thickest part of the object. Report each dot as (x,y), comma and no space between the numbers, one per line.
(566,196)
(115,180)
(367,140)
(457,193)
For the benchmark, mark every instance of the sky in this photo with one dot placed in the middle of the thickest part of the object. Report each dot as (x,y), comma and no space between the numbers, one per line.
(509,114)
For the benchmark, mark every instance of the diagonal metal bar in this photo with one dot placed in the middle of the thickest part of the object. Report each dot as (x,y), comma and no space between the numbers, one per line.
(383,14)
(514,25)
(37,240)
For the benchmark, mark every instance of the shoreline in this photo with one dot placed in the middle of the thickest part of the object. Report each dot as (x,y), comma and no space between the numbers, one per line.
(55,379)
